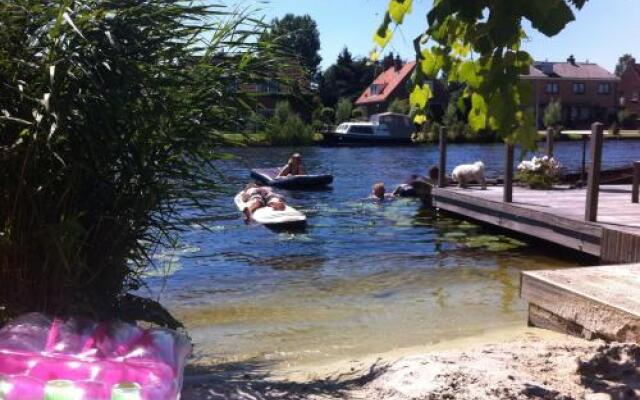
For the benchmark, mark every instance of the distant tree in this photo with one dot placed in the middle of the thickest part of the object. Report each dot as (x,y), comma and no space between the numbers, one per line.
(328,115)
(343,110)
(347,78)
(345,59)
(388,61)
(552,115)
(300,36)
(622,63)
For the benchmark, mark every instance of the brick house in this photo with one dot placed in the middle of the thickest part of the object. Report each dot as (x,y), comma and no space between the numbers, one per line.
(290,81)
(587,92)
(629,89)
(393,83)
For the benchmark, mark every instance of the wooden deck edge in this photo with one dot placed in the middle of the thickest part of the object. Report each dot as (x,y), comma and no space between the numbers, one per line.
(563,231)
(554,306)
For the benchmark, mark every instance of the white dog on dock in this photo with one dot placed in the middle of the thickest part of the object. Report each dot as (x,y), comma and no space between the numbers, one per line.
(467,173)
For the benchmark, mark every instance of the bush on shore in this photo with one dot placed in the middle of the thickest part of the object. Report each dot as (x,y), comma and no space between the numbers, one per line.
(343,110)
(286,128)
(107,110)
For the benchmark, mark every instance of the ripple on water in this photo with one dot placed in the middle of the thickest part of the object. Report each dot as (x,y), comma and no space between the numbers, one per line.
(361,277)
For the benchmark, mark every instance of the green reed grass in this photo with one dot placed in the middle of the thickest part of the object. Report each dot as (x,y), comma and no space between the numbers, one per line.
(108,117)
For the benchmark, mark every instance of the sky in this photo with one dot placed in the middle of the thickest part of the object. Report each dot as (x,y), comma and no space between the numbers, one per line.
(602,32)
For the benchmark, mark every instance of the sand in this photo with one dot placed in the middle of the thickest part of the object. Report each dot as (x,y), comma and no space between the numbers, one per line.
(516,364)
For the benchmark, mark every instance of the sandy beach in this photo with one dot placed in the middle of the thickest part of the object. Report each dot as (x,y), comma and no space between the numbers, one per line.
(519,363)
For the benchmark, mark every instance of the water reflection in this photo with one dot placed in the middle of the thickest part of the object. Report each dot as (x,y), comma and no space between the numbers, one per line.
(361,276)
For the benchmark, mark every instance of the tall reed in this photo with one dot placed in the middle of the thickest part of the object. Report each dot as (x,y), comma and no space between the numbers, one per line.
(108,117)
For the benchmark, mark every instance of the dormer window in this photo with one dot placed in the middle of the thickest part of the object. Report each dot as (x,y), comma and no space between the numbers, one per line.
(377,88)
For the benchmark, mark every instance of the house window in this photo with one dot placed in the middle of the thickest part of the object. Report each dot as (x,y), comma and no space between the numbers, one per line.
(552,87)
(604,88)
(376,89)
(574,113)
(268,87)
(585,113)
(363,130)
(578,88)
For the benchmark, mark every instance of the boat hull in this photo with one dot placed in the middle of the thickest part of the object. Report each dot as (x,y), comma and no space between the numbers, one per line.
(351,139)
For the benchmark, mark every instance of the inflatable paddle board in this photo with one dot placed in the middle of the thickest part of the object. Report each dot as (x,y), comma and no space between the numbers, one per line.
(269,176)
(269,216)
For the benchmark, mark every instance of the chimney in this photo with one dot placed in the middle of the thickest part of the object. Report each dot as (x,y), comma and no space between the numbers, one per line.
(571,60)
(397,63)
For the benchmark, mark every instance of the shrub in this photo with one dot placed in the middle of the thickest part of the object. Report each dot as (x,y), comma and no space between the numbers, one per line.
(286,128)
(430,133)
(399,106)
(328,115)
(358,113)
(627,119)
(553,114)
(108,122)
(343,110)
(539,173)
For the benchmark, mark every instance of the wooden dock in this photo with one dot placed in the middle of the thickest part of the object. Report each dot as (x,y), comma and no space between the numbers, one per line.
(556,216)
(593,302)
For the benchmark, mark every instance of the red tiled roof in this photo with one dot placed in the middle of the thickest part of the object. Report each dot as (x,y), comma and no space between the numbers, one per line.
(535,73)
(546,69)
(389,80)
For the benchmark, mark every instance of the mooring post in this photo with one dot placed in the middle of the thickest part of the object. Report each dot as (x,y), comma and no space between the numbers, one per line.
(550,133)
(593,180)
(442,171)
(507,194)
(635,188)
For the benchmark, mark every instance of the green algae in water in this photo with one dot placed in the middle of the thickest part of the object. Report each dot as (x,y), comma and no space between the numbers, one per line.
(493,243)
(455,235)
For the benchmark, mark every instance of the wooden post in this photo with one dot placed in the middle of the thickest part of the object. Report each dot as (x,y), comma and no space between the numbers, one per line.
(635,188)
(550,133)
(507,194)
(593,180)
(442,171)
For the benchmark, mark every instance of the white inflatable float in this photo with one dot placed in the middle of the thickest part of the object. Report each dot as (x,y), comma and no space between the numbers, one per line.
(269,216)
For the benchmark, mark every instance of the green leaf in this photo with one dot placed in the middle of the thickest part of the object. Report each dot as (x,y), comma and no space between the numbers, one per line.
(397,10)
(382,41)
(548,16)
(420,96)
(478,114)
(468,72)
(431,63)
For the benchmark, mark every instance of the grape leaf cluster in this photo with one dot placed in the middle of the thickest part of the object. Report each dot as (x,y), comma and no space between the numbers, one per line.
(479,44)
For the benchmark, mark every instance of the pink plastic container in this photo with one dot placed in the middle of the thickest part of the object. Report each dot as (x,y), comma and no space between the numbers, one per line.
(94,356)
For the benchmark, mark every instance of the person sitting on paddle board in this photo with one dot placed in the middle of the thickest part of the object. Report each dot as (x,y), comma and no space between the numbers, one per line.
(260,196)
(293,167)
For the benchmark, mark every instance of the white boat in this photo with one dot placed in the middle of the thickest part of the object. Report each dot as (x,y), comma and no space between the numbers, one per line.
(385,128)
(269,216)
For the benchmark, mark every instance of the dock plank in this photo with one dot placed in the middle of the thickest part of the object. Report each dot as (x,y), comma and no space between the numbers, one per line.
(556,216)
(596,299)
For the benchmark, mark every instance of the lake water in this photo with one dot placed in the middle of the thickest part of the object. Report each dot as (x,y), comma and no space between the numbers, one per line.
(362,277)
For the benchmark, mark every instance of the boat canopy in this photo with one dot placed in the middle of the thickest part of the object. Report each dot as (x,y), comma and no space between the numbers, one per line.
(399,125)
